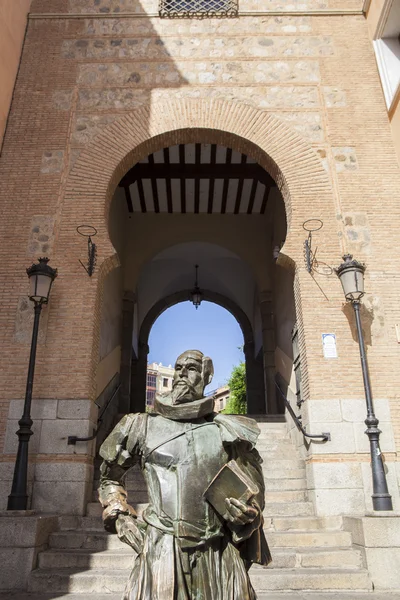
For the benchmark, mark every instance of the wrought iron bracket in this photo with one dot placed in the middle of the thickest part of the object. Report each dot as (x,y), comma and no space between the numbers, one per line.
(310,225)
(89,232)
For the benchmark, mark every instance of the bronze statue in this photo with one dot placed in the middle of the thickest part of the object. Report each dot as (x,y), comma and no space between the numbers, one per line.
(185,549)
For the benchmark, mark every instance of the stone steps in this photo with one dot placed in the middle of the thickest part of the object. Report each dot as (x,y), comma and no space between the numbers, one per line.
(97,581)
(304,523)
(268,579)
(122,558)
(98,539)
(286,496)
(93,521)
(272,509)
(282,474)
(309,552)
(278,509)
(275,595)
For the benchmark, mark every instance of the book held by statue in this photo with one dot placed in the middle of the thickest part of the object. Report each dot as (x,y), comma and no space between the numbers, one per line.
(230,482)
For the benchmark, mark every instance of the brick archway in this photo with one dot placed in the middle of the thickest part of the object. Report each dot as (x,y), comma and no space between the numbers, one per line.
(291,162)
(298,172)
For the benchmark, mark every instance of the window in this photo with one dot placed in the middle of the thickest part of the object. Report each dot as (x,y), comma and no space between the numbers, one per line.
(150,395)
(198,8)
(151,380)
(165,382)
(387,49)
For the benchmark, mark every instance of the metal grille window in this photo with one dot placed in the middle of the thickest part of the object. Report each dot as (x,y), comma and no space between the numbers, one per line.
(198,8)
(296,364)
(151,380)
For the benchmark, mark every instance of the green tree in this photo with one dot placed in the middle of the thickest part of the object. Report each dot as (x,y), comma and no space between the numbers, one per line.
(237,403)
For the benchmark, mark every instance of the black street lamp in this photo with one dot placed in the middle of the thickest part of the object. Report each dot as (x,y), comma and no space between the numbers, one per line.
(196,295)
(41,277)
(351,275)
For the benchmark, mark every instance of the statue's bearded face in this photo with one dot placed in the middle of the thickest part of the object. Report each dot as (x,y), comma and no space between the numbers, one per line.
(188,384)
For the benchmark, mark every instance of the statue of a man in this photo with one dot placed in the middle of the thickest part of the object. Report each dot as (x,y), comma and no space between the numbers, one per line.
(185,550)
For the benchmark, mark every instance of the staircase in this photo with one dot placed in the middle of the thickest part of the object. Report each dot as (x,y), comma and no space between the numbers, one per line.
(309,552)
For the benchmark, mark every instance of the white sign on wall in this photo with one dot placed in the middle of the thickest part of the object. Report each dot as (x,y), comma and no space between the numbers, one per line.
(329,345)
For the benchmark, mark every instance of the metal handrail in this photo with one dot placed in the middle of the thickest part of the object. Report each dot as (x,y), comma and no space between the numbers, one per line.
(324,436)
(72,439)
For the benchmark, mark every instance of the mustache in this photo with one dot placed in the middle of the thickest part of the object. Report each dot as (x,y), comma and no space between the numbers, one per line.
(181,388)
(182,382)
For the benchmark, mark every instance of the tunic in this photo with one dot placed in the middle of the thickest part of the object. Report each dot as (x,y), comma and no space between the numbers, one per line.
(188,551)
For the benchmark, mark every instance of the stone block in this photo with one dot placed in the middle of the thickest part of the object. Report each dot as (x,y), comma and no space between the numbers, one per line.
(342,437)
(323,157)
(334,97)
(323,410)
(87,127)
(41,409)
(61,497)
(263,97)
(41,235)
(375,531)
(171,74)
(24,322)
(356,411)
(358,233)
(23,535)
(54,435)
(334,475)
(195,48)
(74,409)
(308,125)
(25,531)
(16,565)
(63,472)
(6,476)
(383,567)
(62,99)
(345,159)
(338,501)
(52,161)
(11,441)
(248,25)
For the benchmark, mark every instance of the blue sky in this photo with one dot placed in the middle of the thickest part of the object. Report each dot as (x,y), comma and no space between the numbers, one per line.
(210,328)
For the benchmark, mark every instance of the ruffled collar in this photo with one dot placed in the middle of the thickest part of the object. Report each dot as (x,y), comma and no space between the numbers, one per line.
(183,412)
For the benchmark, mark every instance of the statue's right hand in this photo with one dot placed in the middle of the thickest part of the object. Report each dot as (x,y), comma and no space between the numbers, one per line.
(112,512)
(129,532)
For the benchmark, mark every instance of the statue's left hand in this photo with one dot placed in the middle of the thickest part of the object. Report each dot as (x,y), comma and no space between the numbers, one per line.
(239,513)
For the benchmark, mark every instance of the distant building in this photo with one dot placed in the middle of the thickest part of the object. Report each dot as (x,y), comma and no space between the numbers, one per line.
(159,380)
(221,397)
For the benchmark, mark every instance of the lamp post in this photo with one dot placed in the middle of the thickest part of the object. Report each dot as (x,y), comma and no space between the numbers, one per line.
(195,295)
(41,277)
(351,275)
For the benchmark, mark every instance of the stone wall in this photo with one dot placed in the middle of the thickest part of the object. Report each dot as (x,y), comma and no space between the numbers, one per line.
(298,92)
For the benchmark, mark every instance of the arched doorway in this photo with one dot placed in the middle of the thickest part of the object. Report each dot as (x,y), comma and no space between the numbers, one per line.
(254,365)
(209,205)
(293,165)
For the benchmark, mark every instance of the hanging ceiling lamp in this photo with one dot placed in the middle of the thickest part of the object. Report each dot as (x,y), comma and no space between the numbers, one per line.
(195,295)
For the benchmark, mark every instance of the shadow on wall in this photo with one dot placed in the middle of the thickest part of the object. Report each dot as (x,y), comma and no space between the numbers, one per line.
(123,64)
(367,319)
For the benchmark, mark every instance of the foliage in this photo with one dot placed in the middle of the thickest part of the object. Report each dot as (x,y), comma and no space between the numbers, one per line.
(237,403)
